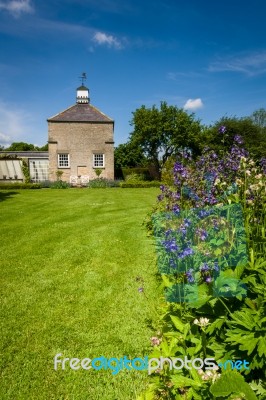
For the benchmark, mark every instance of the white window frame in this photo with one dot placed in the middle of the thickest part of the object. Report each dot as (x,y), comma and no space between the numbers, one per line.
(62,163)
(97,162)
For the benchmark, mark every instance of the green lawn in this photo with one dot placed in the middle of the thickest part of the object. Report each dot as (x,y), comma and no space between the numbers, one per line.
(69,263)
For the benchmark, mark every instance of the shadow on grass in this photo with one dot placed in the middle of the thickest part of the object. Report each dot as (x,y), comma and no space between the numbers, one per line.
(6,195)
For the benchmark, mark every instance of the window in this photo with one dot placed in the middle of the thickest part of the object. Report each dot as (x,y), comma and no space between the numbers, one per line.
(63,160)
(98,160)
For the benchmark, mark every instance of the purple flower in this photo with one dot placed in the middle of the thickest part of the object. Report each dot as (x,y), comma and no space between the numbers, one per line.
(208,279)
(189,275)
(204,268)
(186,252)
(175,209)
(140,289)
(238,139)
(216,266)
(182,230)
(170,245)
(202,234)
(222,129)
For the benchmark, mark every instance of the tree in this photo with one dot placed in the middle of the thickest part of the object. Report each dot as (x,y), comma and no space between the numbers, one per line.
(21,146)
(259,119)
(128,155)
(161,132)
(254,139)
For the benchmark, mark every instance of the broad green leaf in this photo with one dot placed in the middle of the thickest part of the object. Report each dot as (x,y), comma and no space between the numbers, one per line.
(232,382)
(177,323)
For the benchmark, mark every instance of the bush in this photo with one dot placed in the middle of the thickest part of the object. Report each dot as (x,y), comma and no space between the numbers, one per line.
(134,177)
(60,185)
(140,184)
(17,185)
(102,183)
(143,172)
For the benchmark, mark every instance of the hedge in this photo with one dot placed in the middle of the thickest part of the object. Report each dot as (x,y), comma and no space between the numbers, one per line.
(17,185)
(140,184)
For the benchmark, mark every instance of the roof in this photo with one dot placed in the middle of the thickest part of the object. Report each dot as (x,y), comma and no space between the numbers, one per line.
(80,113)
(82,87)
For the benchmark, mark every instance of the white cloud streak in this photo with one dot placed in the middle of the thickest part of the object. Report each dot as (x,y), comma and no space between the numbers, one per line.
(102,38)
(14,123)
(193,104)
(17,7)
(248,64)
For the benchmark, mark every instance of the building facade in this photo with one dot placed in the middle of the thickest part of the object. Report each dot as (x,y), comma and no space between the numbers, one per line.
(81,142)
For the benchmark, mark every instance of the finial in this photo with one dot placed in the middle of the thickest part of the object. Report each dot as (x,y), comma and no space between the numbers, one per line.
(83,77)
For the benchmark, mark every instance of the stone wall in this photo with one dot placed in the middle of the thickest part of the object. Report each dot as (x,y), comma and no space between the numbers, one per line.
(80,140)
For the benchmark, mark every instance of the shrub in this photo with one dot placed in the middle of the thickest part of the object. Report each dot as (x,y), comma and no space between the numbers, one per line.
(102,183)
(140,184)
(143,172)
(60,185)
(206,224)
(17,185)
(134,177)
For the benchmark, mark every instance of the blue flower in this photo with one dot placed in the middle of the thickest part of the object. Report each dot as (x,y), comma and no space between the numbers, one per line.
(238,139)
(204,268)
(186,252)
(222,129)
(170,245)
(216,266)
(189,276)
(175,209)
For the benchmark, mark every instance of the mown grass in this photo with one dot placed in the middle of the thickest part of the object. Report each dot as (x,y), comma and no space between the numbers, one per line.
(69,263)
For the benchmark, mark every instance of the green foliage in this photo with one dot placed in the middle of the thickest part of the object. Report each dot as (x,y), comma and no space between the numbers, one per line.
(141,171)
(59,174)
(21,146)
(134,177)
(128,156)
(98,171)
(140,184)
(253,135)
(59,185)
(232,384)
(25,171)
(222,316)
(259,119)
(102,183)
(17,185)
(160,132)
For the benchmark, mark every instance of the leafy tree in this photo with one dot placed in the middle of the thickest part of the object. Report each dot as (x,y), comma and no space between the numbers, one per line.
(43,148)
(254,138)
(21,146)
(259,118)
(128,155)
(160,132)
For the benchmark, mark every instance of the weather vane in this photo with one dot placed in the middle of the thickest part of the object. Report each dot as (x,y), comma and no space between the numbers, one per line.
(83,77)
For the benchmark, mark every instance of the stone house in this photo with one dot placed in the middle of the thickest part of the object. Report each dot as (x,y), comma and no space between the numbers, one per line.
(81,142)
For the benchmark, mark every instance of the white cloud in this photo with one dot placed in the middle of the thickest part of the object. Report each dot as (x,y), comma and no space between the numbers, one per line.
(14,123)
(193,104)
(250,64)
(17,7)
(102,38)
(5,140)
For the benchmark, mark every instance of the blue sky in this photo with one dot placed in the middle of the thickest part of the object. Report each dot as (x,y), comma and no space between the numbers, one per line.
(207,56)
